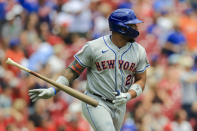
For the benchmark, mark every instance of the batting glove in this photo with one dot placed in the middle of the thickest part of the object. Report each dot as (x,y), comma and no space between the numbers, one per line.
(121,99)
(36,94)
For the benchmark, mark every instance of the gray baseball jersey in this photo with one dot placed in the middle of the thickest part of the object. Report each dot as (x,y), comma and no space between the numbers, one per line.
(109,69)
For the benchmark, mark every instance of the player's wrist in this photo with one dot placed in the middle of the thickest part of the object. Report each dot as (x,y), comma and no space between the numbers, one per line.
(62,80)
(52,91)
(128,96)
(137,88)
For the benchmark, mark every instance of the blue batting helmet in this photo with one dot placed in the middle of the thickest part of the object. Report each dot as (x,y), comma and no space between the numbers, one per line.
(119,20)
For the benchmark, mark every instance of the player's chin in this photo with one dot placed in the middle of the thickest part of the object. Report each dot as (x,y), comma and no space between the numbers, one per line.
(131,40)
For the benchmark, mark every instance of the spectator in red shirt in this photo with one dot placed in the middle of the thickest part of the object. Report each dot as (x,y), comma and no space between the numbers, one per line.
(15,53)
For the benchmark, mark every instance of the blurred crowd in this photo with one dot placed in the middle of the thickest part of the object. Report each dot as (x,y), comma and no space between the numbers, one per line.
(43,35)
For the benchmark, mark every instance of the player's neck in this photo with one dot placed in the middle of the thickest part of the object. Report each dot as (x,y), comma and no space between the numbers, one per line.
(118,40)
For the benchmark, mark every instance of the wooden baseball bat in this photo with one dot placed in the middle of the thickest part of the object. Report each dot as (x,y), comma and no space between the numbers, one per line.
(69,90)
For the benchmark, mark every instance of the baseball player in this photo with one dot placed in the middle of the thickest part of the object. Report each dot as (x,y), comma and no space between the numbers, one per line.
(116,72)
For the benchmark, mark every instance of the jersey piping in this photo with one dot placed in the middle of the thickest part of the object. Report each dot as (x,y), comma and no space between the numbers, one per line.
(80,61)
(143,69)
(121,69)
(115,63)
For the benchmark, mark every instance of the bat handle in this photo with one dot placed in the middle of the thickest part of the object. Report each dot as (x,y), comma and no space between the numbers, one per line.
(11,62)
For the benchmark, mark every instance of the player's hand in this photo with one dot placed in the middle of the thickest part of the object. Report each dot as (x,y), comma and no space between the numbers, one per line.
(121,99)
(36,94)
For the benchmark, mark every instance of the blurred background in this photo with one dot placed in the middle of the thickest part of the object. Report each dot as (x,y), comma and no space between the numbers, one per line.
(43,35)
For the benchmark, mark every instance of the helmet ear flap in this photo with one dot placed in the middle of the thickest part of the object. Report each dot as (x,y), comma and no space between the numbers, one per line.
(133,32)
(122,28)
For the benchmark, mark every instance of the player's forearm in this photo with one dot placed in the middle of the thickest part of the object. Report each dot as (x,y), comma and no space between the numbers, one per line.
(67,77)
(139,85)
(133,92)
(141,82)
(70,74)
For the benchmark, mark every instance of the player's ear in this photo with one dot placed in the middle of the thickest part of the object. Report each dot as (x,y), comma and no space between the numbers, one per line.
(123,29)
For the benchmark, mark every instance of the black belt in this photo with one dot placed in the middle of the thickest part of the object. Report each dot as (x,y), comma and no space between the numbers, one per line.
(108,100)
